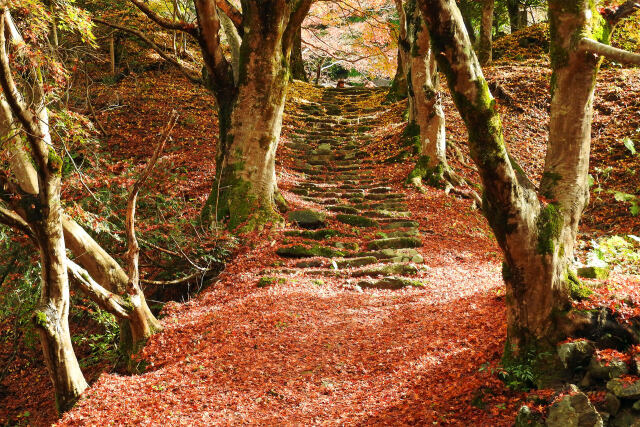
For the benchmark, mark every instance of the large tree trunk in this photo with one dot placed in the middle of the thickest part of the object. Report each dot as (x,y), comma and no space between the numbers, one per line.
(425,102)
(527,231)
(485,49)
(297,62)
(245,190)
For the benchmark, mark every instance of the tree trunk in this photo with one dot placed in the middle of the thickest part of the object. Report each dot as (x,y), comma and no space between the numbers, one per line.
(245,189)
(51,316)
(425,102)
(297,62)
(399,86)
(112,55)
(319,71)
(465,10)
(528,232)
(485,49)
(515,15)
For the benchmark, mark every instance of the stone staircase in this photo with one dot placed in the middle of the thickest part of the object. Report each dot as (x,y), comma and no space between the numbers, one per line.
(358,227)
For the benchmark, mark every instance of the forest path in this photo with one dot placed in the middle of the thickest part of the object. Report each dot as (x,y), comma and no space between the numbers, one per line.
(378,306)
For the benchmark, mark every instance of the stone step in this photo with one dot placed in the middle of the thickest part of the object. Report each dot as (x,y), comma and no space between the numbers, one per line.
(356,220)
(395,243)
(394,255)
(322,234)
(398,269)
(301,251)
(392,282)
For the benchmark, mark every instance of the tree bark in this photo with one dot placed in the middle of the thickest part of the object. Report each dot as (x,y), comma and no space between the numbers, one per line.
(425,101)
(515,15)
(250,113)
(297,62)
(399,86)
(527,231)
(485,49)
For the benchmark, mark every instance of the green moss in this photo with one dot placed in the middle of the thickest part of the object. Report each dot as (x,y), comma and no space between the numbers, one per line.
(577,289)
(269,281)
(423,173)
(356,220)
(300,251)
(54,162)
(40,319)
(550,222)
(314,235)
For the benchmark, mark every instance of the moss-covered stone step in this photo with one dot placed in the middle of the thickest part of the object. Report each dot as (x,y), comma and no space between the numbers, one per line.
(311,263)
(395,269)
(301,251)
(392,282)
(394,225)
(300,191)
(385,214)
(323,234)
(343,209)
(411,232)
(395,243)
(308,218)
(356,262)
(394,255)
(387,196)
(356,220)
(380,190)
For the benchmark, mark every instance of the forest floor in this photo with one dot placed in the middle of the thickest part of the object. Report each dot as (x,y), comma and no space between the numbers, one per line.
(410,334)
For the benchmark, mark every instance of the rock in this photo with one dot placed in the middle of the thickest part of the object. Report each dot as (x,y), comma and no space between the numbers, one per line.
(401,224)
(573,410)
(624,389)
(356,262)
(611,404)
(300,251)
(600,273)
(307,218)
(395,243)
(352,246)
(528,418)
(343,209)
(576,354)
(314,263)
(607,369)
(389,283)
(270,281)
(326,233)
(390,269)
(626,418)
(356,220)
(324,148)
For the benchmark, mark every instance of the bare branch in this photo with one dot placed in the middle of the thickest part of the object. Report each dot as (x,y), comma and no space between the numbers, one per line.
(155,47)
(133,253)
(14,221)
(174,282)
(189,28)
(618,55)
(234,14)
(614,16)
(108,301)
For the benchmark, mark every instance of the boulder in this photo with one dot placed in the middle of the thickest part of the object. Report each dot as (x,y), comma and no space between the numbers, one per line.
(573,410)
(593,272)
(624,389)
(528,418)
(576,354)
(607,369)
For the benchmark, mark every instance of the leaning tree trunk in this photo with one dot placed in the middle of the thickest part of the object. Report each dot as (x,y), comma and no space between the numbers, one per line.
(485,48)
(426,113)
(528,231)
(245,189)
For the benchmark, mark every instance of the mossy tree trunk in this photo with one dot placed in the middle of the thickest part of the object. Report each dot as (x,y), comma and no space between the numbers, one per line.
(250,107)
(40,215)
(485,47)
(426,113)
(536,237)
(399,85)
(298,71)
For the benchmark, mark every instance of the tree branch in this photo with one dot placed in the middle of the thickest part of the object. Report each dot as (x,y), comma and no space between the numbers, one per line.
(108,301)
(155,47)
(614,16)
(618,55)
(234,14)
(295,22)
(164,22)
(14,221)
(133,253)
